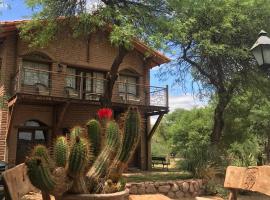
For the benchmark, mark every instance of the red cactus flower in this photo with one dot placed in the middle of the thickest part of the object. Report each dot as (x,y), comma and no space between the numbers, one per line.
(104,113)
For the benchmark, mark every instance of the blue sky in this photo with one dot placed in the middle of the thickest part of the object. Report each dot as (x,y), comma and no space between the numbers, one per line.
(177,98)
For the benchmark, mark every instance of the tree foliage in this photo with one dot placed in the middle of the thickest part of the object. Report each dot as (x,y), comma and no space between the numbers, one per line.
(212,41)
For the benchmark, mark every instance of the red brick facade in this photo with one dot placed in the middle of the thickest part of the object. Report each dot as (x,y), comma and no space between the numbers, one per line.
(93,53)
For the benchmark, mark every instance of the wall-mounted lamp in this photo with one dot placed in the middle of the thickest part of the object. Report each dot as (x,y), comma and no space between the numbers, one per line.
(60,67)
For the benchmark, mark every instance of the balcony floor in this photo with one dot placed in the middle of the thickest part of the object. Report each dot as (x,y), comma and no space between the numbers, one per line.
(33,99)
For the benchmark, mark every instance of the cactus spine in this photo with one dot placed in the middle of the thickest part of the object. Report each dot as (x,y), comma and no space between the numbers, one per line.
(76,131)
(94,136)
(61,151)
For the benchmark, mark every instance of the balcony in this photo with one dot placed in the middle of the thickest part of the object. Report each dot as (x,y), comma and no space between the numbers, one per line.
(41,83)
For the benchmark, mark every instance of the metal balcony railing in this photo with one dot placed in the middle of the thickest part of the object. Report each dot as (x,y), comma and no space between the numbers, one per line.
(49,83)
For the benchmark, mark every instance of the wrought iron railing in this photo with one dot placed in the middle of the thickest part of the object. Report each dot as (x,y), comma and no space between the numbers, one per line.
(49,83)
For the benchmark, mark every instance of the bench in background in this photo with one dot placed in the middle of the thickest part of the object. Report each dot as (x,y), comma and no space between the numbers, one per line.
(161,161)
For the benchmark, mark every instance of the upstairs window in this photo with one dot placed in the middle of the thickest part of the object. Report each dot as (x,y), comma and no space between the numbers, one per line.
(36,68)
(71,78)
(94,82)
(35,72)
(128,84)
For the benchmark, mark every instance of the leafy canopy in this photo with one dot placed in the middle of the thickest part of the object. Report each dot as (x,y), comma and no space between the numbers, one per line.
(125,19)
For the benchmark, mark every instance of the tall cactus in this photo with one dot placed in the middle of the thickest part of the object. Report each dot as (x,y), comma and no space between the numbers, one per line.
(78,157)
(131,137)
(94,135)
(104,160)
(73,169)
(76,131)
(39,174)
(42,152)
(61,151)
(55,183)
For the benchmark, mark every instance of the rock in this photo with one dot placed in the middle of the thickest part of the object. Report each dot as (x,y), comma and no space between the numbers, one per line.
(195,194)
(196,186)
(191,188)
(188,195)
(150,189)
(141,190)
(156,184)
(133,189)
(174,188)
(164,188)
(185,187)
(200,183)
(171,195)
(179,183)
(179,194)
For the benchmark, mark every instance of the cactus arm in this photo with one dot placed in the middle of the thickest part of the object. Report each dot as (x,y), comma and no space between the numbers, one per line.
(131,137)
(61,151)
(39,174)
(104,160)
(78,160)
(94,136)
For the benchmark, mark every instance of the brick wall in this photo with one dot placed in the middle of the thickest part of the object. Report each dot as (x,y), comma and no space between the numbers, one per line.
(66,50)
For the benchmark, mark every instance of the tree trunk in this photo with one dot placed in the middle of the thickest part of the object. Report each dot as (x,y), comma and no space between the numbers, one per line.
(223,101)
(268,150)
(111,78)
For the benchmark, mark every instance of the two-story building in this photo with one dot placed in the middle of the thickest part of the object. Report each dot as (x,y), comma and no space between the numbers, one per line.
(46,91)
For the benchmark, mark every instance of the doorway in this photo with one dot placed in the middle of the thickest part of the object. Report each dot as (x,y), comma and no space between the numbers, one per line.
(30,134)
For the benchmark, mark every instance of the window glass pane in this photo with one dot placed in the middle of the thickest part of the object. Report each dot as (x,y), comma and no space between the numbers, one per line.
(35,72)
(32,123)
(39,135)
(130,85)
(25,136)
(98,82)
(71,78)
(88,82)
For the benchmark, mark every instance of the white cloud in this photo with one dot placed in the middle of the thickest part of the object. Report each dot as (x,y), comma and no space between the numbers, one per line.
(184,101)
(93,5)
(3,5)
(187,102)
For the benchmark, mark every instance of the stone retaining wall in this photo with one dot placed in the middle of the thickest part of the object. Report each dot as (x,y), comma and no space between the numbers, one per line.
(172,189)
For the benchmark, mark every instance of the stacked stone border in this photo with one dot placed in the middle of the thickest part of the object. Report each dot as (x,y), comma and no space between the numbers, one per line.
(173,189)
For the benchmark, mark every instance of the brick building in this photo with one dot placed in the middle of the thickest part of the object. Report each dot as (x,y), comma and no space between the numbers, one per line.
(45,92)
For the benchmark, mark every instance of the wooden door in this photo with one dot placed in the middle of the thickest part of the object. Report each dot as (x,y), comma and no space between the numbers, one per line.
(26,140)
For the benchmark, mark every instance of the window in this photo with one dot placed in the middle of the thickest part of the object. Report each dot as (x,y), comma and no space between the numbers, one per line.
(35,72)
(71,78)
(128,84)
(94,82)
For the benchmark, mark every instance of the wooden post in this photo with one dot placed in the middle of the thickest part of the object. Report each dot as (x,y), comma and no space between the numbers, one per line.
(81,85)
(233,194)
(19,77)
(126,91)
(45,196)
(167,96)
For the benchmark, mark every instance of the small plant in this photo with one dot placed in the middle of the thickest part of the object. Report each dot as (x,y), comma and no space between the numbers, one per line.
(79,164)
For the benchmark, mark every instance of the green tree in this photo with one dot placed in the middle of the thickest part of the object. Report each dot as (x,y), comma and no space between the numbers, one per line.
(212,40)
(123,19)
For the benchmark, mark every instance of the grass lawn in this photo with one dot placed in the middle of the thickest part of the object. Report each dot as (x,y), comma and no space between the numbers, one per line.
(157,176)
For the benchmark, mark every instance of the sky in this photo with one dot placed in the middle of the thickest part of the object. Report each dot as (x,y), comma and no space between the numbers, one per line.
(16,10)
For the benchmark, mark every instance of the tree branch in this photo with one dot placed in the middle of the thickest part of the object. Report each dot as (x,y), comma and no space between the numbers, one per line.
(198,67)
